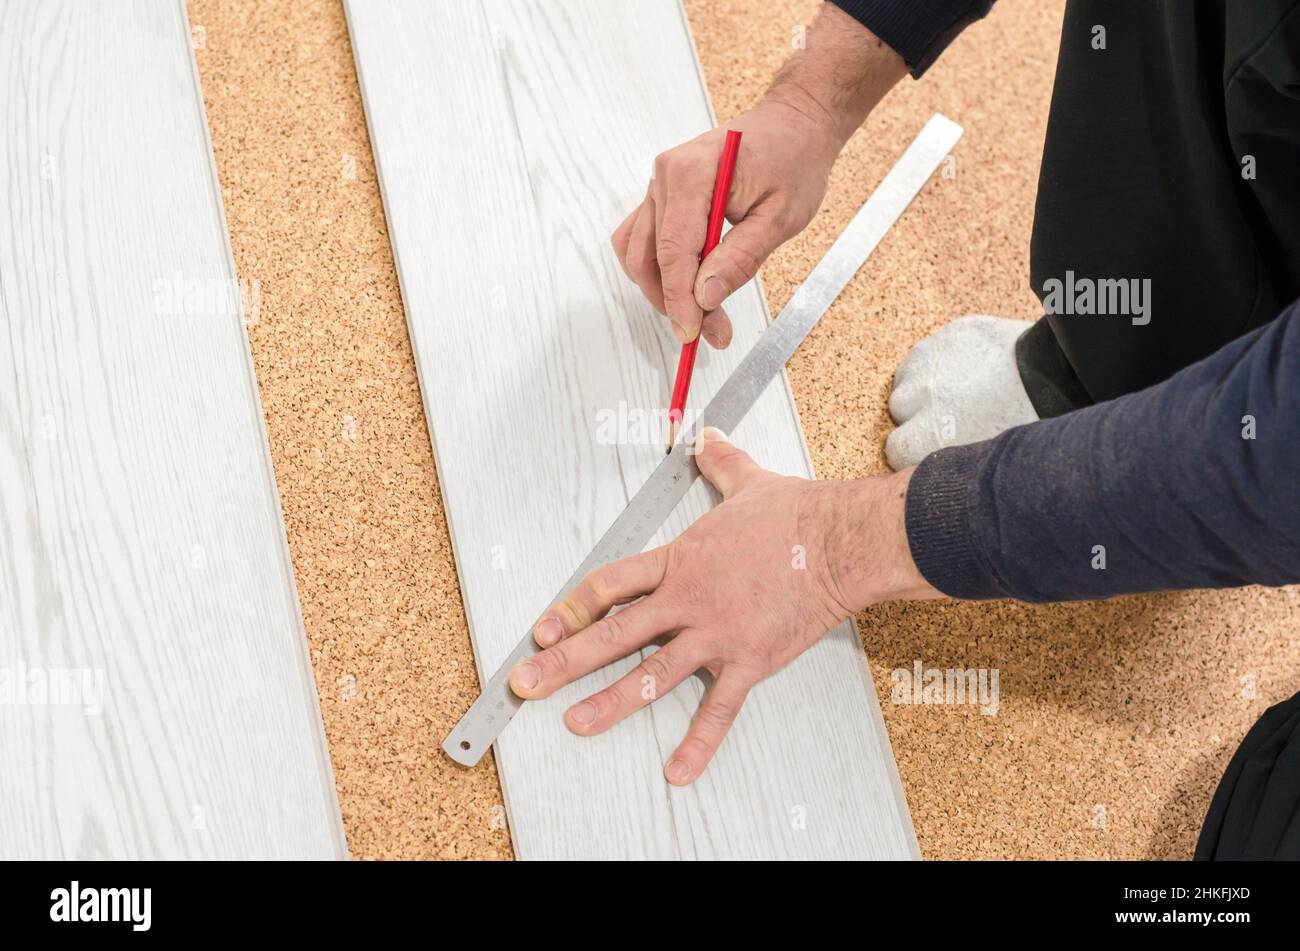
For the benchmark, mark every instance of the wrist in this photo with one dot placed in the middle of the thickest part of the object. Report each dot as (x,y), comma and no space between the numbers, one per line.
(869,557)
(798,111)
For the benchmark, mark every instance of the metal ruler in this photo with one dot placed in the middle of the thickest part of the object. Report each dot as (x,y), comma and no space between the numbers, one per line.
(655,501)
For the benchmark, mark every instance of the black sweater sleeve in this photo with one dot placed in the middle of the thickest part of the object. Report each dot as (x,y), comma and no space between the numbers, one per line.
(917,30)
(1192,483)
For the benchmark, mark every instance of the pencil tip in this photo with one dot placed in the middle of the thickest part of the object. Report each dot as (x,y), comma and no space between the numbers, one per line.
(672,437)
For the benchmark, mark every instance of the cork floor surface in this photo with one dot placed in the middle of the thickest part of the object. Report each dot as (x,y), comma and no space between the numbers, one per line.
(1115,719)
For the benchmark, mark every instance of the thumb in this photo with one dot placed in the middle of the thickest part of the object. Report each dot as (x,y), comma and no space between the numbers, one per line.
(736,259)
(729,469)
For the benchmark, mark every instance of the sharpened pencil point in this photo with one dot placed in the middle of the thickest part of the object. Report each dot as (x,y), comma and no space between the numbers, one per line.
(672,437)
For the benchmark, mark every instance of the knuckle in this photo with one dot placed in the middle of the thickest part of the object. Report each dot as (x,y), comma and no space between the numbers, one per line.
(673,299)
(630,266)
(679,159)
(633,258)
(645,277)
(659,666)
(723,454)
(715,645)
(745,261)
(659,559)
(751,657)
(604,583)
(671,247)
(577,611)
(554,661)
(717,714)
(786,219)
(693,591)
(611,698)
(612,631)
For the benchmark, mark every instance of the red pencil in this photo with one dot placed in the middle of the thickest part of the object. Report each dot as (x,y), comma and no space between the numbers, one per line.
(717,215)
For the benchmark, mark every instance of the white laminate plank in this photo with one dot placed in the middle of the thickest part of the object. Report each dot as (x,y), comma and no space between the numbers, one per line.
(510,138)
(141,541)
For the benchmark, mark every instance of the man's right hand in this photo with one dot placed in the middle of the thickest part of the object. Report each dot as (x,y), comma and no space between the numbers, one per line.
(791,139)
(785,160)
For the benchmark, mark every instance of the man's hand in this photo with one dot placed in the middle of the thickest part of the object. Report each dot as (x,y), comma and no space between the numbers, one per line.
(785,159)
(746,589)
(791,139)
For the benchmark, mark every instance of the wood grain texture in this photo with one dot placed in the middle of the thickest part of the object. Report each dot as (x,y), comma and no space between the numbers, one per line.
(510,139)
(141,543)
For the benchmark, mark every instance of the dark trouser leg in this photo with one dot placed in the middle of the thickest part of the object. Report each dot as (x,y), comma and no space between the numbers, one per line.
(1255,813)
(1142,180)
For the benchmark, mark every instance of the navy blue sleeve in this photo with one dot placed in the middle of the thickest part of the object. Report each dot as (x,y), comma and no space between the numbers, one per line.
(917,30)
(1193,483)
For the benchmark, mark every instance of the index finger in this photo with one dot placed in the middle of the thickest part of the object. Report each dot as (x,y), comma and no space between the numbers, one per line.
(683,193)
(603,643)
(615,583)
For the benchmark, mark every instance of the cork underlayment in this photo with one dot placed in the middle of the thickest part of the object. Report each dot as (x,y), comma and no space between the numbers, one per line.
(1115,720)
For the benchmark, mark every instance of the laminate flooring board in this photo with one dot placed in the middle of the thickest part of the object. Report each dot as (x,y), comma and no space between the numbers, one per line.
(511,137)
(142,551)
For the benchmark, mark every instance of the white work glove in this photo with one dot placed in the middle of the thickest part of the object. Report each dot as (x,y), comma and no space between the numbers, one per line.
(959,385)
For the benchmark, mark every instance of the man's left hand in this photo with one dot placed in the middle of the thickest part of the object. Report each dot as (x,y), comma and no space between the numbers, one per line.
(746,589)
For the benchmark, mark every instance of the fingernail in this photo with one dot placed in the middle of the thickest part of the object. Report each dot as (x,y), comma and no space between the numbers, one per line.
(584,713)
(713,293)
(680,333)
(714,340)
(708,434)
(679,771)
(526,676)
(548,631)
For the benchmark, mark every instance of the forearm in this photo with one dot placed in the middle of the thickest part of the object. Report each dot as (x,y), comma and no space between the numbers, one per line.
(839,76)
(1194,483)
(857,50)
